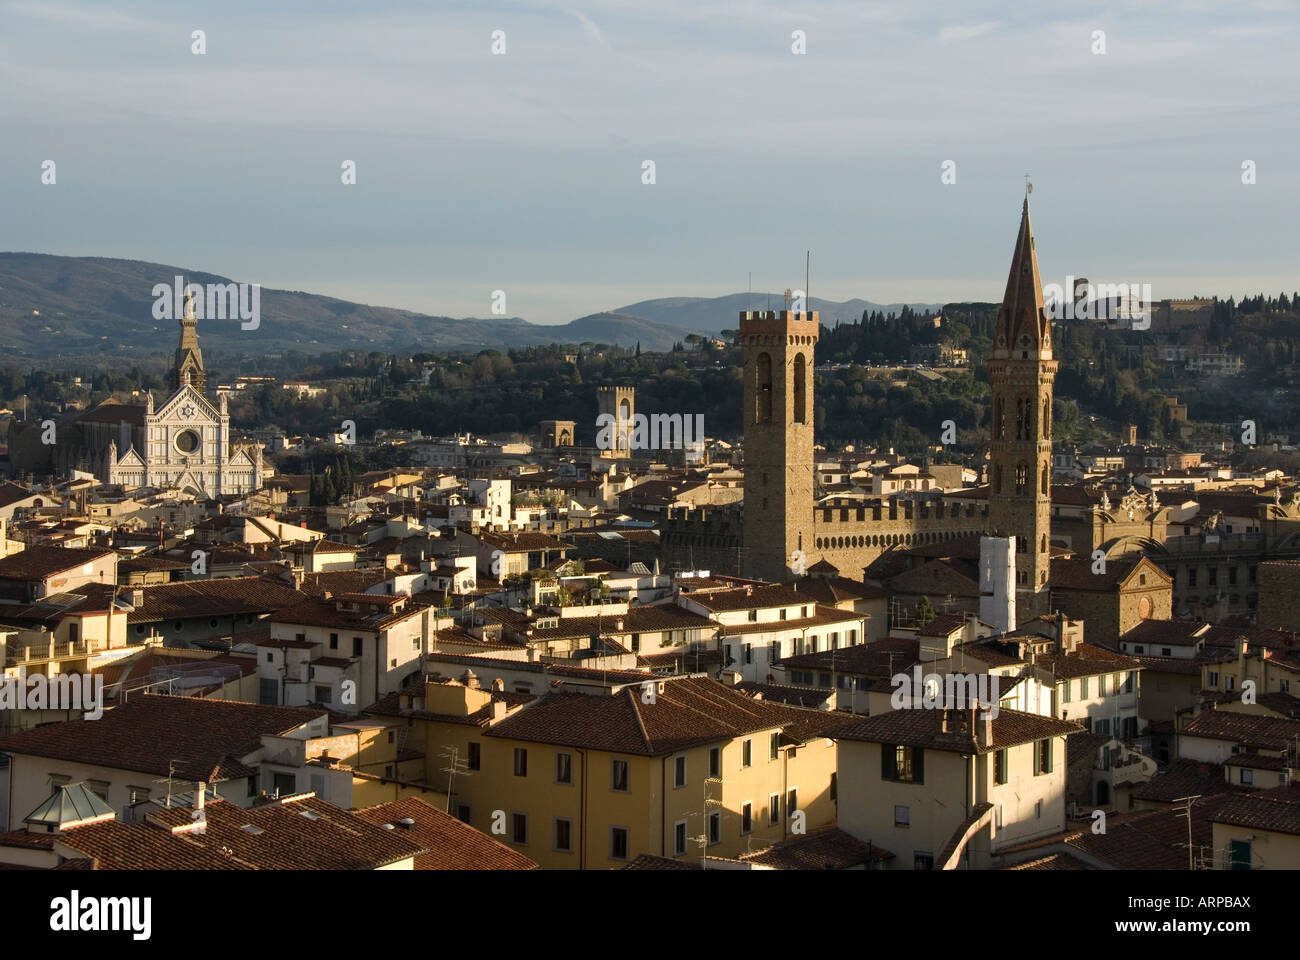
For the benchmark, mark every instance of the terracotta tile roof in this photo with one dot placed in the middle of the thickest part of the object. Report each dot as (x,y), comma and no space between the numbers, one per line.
(199,598)
(38,562)
(993,653)
(1185,778)
(1151,841)
(790,696)
(1181,665)
(1167,633)
(745,598)
(203,737)
(1075,573)
(833,590)
(924,728)
(1276,810)
(341,581)
(1085,660)
(688,712)
(939,578)
(648,861)
(828,849)
(449,844)
(1244,729)
(298,833)
(1056,861)
(943,625)
(325,613)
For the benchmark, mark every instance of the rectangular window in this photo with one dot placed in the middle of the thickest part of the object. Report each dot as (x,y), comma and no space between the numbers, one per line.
(462,812)
(746,753)
(1000,766)
(521,762)
(618,843)
(902,816)
(356,646)
(715,828)
(715,762)
(1083,687)
(749,652)
(774,808)
(753,616)
(747,818)
(679,838)
(563,834)
(137,794)
(903,764)
(1065,691)
(1045,756)
(1213,678)
(1247,776)
(1128,681)
(922,860)
(679,771)
(334,641)
(563,767)
(323,694)
(775,745)
(792,802)
(618,775)
(519,827)
(1038,809)
(475,756)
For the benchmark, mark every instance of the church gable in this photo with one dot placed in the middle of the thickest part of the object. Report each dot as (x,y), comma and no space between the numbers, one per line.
(187,405)
(130,459)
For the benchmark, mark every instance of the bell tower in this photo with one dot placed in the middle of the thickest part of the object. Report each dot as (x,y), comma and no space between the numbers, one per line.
(188,366)
(778,422)
(1021,370)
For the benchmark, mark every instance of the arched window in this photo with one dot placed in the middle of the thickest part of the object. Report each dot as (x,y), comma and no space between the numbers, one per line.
(1022,477)
(763,389)
(1044,484)
(1042,548)
(999,420)
(1047,419)
(800,392)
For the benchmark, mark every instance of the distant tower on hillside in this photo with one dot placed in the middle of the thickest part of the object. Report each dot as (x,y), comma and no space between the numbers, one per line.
(778,421)
(1022,370)
(619,403)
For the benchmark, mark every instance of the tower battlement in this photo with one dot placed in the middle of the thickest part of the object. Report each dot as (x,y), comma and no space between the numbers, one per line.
(778,323)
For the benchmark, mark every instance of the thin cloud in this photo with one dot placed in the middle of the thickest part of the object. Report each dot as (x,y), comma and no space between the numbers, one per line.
(949,35)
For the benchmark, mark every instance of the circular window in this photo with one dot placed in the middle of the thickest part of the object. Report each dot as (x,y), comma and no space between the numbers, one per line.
(187,441)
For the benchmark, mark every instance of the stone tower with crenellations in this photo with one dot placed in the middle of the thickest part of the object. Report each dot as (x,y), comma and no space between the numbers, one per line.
(618,403)
(1021,371)
(778,423)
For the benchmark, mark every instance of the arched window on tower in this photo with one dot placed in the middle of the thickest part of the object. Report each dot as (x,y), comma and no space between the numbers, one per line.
(1022,419)
(1044,484)
(1022,477)
(800,392)
(763,389)
(999,420)
(1042,546)
(1047,419)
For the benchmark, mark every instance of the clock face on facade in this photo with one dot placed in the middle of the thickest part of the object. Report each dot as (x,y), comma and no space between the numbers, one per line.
(187,411)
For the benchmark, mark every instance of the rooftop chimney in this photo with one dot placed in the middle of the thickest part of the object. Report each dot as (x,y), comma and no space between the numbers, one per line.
(198,795)
(984,729)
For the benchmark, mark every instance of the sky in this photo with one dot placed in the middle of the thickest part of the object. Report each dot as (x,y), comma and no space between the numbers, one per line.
(523,171)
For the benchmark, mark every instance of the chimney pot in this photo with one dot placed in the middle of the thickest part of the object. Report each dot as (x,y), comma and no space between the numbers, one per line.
(198,795)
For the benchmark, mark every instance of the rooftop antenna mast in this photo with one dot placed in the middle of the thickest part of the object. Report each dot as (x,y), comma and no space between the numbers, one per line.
(807,293)
(455,766)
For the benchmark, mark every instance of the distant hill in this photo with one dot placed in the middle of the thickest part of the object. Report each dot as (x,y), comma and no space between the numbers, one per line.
(102,307)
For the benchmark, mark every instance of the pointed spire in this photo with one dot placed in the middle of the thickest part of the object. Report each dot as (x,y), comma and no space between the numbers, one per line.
(1022,320)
